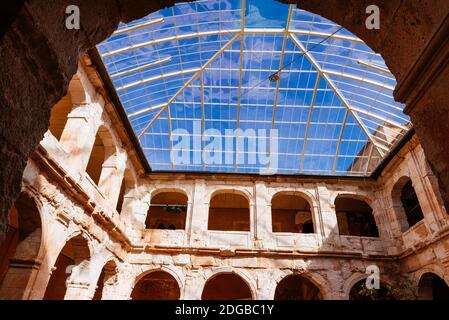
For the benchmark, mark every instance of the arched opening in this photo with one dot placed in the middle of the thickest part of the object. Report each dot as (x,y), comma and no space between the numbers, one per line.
(22,243)
(102,155)
(296,287)
(157,285)
(226,286)
(360,292)
(168,210)
(126,190)
(405,204)
(107,278)
(229,212)
(97,157)
(58,117)
(432,287)
(410,203)
(291,213)
(75,253)
(355,218)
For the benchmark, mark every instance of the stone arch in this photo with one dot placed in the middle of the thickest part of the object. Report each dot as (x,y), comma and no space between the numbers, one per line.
(297,287)
(432,287)
(182,190)
(128,188)
(59,116)
(353,195)
(70,266)
(306,195)
(241,274)
(396,195)
(317,280)
(220,190)
(24,246)
(309,207)
(357,277)
(104,152)
(432,268)
(235,204)
(355,215)
(351,282)
(168,209)
(166,274)
(77,90)
(106,277)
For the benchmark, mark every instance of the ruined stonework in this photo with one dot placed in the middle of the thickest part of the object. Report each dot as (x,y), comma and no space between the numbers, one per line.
(91,238)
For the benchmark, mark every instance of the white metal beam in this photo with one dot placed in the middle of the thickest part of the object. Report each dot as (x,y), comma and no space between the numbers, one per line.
(172,38)
(138,26)
(340,138)
(146,66)
(239,94)
(312,60)
(373,66)
(137,113)
(279,73)
(372,115)
(159,77)
(361,79)
(249,31)
(309,120)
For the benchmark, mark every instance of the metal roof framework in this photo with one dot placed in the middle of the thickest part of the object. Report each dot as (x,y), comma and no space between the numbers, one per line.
(173,67)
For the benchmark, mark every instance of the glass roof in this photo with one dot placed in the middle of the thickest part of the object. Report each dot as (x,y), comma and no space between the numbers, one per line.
(253,86)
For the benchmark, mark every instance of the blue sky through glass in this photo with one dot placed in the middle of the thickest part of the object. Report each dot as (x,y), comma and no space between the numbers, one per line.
(196,76)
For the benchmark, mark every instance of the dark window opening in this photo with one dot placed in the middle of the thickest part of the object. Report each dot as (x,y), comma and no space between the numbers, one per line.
(291,213)
(229,212)
(97,157)
(432,287)
(158,285)
(168,210)
(58,117)
(411,204)
(355,218)
(226,286)
(295,287)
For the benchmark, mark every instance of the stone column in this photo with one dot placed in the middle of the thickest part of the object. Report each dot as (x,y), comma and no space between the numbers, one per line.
(140,210)
(325,216)
(188,224)
(200,214)
(194,284)
(253,222)
(120,288)
(112,177)
(78,137)
(78,291)
(263,212)
(424,193)
(387,223)
(18,281)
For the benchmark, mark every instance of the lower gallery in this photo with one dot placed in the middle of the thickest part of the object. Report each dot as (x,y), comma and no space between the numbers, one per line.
(91,224)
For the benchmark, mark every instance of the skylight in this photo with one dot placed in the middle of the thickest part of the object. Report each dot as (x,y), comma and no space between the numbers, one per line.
(253,86)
